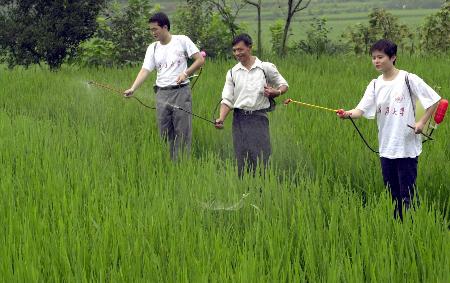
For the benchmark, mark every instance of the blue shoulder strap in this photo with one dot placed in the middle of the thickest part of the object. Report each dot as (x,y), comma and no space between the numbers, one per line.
(410,93)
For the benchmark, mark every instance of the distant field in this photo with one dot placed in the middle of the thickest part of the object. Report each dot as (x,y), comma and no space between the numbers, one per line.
(340,22)
(339,16)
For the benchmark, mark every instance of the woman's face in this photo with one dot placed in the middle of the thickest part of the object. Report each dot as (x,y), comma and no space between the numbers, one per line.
(382,62)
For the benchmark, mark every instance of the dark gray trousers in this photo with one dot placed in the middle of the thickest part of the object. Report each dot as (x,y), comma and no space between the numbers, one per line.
(400,176)
(175,126)
(251,141)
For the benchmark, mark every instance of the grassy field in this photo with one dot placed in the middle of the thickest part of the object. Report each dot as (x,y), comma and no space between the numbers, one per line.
(88,193)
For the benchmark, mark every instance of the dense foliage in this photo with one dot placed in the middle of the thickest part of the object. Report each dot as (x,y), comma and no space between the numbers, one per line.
(122,37)
(45,31)
(435,33)
(119,36)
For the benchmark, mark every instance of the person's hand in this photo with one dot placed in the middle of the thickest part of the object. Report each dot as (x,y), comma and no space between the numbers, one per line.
(343,114)
(271,92)
(128,92)
(218,124)
(419,127)
(182,77)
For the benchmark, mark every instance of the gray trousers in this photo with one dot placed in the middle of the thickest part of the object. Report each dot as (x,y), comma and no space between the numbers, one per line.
(175,126)
(251,141)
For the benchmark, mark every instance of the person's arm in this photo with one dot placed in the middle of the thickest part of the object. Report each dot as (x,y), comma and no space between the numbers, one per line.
(198,62)
(275,92)
(422,121)
(227,100)
(224,110)
(275,79)
(427,96)
(354,113)
(142,75)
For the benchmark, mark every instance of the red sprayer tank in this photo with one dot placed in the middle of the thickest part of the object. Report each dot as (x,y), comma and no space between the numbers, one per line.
(440,111)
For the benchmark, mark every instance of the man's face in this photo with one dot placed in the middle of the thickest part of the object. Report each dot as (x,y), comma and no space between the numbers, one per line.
(241,51)
(157,31)
(381,61)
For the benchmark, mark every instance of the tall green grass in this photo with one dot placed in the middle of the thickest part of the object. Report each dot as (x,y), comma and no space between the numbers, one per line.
(88,191)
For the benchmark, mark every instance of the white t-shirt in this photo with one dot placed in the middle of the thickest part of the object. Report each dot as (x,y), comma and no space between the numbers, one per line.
(390,103)
(169,60)
(245,90)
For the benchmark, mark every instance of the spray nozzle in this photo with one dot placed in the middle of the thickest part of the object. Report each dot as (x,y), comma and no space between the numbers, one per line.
(287,101)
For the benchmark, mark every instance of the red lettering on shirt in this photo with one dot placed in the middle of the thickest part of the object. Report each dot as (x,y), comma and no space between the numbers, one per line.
(394,112)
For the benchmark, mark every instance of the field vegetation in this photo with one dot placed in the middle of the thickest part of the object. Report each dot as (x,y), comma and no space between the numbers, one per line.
(88,191)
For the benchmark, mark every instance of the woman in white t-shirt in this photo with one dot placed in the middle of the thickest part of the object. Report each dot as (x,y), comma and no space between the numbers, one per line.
(392,102)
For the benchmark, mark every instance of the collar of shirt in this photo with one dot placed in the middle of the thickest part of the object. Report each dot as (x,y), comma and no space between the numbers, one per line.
(256,64)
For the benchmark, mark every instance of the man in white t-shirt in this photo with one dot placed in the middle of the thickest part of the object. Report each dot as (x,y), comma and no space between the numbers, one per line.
(168,55)
(393,102)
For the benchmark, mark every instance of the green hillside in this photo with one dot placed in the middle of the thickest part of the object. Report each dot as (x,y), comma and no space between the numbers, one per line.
(339,14)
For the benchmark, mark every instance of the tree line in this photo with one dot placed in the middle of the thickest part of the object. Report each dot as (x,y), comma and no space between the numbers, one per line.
(104,33)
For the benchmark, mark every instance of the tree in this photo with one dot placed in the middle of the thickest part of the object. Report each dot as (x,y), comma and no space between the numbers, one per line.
(257,4)
(49,31)
(317,41)
(227,13)
(359,38)
(122,36)
(316,38)
(382,24)
(128,29)
(435,33)
(204,26)
(191,18)
(276,31)
(293,8)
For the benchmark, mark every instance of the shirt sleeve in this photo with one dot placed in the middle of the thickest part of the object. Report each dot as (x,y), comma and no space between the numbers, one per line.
(273,76)
(228,91)
(189,46)
(368,103)
(149,60)
(426,95)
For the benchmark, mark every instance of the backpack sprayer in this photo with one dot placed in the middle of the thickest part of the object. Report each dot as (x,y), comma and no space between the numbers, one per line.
(439,115)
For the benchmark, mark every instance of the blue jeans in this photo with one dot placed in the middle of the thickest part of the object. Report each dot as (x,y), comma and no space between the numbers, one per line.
(400,176)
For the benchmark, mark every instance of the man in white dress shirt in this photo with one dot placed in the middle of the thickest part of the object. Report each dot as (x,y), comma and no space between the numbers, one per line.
(249,90)
(168,55)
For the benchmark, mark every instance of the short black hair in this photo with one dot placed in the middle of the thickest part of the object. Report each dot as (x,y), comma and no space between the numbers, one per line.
(386,46)
(161,19)
(244,38)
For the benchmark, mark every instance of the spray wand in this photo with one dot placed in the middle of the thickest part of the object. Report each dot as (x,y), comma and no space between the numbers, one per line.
(107,87)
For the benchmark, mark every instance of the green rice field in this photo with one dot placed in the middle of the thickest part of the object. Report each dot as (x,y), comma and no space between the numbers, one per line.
(88,191)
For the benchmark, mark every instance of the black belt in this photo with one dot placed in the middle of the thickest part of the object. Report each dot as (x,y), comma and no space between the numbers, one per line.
(170,87)
(261,112)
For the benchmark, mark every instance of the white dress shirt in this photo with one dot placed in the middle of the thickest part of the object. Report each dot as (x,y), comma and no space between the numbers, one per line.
(244,89)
